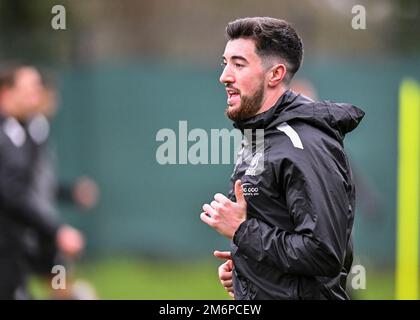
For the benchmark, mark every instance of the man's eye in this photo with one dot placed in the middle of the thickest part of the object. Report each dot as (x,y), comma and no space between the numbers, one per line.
(238,65)
(223,65)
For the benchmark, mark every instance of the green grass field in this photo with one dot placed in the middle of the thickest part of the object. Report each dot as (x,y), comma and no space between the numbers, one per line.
(130,278)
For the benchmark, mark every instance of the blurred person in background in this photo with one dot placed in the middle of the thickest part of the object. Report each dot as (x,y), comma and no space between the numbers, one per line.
(290,212)
(47,191)
(84,191)
(24,217)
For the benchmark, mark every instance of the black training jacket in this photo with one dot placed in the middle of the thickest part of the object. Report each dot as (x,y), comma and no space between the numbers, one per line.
(296,240)
(20,208)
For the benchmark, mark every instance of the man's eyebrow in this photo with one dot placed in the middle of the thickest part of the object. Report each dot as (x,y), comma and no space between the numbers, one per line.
(236,58)
(239,58)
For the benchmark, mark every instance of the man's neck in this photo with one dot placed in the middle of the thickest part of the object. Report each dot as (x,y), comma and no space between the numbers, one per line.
(271,98)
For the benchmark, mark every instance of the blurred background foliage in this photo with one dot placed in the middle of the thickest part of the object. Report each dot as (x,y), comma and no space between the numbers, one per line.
(183,29)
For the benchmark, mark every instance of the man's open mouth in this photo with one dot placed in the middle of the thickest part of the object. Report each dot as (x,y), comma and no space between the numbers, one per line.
(233,96)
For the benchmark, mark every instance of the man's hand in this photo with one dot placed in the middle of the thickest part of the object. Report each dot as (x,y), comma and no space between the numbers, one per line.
(224,215)
(225,271)
(85,193)
(70,241)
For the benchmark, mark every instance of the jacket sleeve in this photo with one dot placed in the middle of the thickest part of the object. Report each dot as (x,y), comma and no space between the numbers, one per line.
(17,202)
(319,207)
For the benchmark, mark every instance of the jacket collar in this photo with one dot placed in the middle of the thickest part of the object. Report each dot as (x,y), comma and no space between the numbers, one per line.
(262,120)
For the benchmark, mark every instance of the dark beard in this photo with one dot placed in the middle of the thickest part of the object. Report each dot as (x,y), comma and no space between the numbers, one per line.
(249,106)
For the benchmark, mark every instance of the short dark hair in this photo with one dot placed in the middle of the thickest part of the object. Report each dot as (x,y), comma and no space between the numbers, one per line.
(8,71)
(273,38)
(7,76)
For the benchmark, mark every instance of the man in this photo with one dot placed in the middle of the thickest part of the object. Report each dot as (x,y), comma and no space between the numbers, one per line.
(289,222)
(43,253)
(20,94)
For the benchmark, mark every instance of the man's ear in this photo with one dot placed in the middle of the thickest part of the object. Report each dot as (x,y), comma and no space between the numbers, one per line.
(277,74)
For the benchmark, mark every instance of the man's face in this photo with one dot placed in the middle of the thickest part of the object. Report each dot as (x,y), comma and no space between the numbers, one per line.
(244,77)
(23,98)
(28,89)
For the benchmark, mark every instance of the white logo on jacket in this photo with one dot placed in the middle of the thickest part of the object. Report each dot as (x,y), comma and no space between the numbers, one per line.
(250,190)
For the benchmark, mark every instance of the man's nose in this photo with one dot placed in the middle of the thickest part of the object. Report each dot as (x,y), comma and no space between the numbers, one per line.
(226,76)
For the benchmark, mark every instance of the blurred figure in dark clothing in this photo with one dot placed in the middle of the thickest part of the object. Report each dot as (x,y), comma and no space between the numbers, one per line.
(47,191)
(21,211)
(83,192)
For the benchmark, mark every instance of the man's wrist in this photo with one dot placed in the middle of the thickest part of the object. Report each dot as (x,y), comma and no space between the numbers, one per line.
(239,233)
